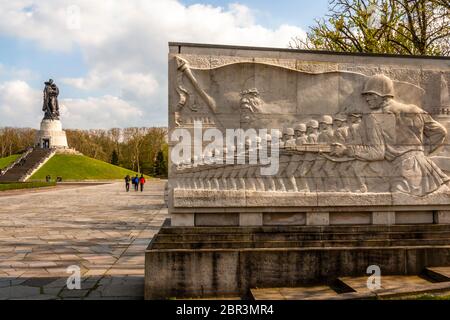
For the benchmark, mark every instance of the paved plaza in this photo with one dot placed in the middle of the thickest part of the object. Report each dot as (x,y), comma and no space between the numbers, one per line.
(101,229)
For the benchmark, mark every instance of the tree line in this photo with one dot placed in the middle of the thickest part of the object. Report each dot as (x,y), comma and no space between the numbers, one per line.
(144,150)
(408,27)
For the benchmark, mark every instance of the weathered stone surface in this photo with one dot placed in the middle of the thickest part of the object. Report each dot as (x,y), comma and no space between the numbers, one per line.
(234,270)
(442,217)
(414,217)
(345,218)
(349,199)
(251,219)
(216,219)
(51,130)
(208,198)
(183,220)
(317,218)
(252,88)
(383,217)
(284,219)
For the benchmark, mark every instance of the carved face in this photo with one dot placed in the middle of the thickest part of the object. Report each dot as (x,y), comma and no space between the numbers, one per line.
(338,123)
(299,133)
(251,102)
(374,101)
(324,126)
(354,120)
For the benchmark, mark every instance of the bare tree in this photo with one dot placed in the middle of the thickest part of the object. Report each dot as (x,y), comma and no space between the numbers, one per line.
(419,27)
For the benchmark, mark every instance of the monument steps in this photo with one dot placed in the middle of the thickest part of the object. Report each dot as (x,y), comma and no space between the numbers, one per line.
(306,244)
(351,288)
(22,169)
(335,229)
(294,256)
(291,237)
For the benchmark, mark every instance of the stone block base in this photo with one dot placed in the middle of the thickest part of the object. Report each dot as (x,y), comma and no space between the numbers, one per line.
(219,261)
(51,135)
(319,218)
(251,208)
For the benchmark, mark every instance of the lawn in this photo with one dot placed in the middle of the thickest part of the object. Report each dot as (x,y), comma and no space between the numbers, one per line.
(79,168)
(4,162)
(24,185)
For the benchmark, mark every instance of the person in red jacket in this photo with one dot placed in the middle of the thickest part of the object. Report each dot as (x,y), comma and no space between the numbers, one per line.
(142,182)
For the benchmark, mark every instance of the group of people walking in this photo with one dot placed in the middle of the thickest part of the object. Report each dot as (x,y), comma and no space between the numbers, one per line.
(138,182)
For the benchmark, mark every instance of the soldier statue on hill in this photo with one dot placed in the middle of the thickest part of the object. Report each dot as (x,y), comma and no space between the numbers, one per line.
(51,106)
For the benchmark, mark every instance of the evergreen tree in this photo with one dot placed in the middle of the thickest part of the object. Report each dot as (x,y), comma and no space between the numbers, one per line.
(114,158)
(160,166)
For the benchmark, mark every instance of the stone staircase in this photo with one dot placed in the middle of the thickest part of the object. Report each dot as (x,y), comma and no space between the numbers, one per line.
(27,165)
(239,261)
(305,237)
(432,281)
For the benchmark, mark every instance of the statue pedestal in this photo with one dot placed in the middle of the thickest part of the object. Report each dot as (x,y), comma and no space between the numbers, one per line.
(51,135)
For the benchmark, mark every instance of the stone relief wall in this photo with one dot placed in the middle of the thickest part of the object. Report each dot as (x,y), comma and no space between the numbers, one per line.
(346,127)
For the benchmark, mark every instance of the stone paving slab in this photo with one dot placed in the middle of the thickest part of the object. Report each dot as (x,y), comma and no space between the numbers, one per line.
(443,272)
(300,293)
(359,284)
(99,228)
(391,287)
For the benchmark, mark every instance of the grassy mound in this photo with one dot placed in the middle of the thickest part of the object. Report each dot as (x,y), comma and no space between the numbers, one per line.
(79,168)
(4,162)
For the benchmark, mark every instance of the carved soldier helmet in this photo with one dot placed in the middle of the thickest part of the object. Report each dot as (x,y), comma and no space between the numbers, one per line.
(313,124)
(326,119)
(380,85)
(288,131)
(277,133)
(300,127)
(340,117)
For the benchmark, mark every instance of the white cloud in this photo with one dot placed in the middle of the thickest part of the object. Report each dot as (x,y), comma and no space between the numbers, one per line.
(125,43)
(13,73)
(19,104)
(133,85)
(102,113)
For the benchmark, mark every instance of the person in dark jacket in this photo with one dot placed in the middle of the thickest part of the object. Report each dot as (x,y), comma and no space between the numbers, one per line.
(127,183)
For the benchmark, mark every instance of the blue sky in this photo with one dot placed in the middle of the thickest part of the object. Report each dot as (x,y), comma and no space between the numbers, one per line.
(110,59)
(274,13)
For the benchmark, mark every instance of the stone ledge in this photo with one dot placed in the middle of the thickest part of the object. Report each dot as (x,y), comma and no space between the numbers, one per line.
(186,198)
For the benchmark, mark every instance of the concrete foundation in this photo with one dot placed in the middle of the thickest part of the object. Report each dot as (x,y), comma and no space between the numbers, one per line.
(207,262)
(51,135)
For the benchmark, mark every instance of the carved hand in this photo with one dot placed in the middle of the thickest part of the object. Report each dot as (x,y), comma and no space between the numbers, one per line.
(338,149)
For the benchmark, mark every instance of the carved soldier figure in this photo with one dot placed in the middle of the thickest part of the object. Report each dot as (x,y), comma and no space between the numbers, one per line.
(289,138)
(300,134)
(322,167)
(398,133)
(354,121)
(340,129)
(312,130)
(51,105)
(292,170)
(304,171)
